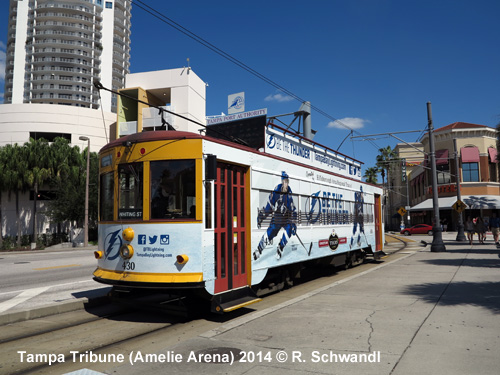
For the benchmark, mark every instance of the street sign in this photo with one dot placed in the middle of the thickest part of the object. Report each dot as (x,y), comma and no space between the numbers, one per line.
(402,211)
(459,206)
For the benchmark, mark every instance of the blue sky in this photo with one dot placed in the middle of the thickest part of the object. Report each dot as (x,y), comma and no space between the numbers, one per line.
(372,64)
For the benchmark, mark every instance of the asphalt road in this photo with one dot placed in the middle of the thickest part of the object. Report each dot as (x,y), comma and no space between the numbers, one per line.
(36,278)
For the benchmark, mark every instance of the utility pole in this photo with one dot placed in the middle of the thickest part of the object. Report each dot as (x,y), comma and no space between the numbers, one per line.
(86,223)
(437,238)
(460,227)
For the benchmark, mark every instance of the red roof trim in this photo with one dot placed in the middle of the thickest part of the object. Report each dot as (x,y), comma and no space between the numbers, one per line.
(460,125)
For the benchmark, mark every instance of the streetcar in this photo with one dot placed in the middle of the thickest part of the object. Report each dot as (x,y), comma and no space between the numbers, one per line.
(200,214)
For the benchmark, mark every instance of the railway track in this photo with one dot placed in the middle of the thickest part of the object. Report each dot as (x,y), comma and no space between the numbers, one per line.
(79,338)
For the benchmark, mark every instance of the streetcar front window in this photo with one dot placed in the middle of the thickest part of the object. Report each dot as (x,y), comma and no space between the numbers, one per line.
(130,179)
(173,189)
(106,197)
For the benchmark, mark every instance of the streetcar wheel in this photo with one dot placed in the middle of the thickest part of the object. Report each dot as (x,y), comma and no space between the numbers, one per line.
(348,261)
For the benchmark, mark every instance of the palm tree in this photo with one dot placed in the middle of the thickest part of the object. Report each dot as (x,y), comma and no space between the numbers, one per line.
(68,165)
(37,153)
(384,159)
(14,177)
(371,175)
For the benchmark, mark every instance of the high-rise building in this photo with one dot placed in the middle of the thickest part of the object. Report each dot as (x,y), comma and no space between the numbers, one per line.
(57,49)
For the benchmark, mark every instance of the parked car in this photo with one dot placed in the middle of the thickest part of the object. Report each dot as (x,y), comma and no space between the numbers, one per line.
(418,229)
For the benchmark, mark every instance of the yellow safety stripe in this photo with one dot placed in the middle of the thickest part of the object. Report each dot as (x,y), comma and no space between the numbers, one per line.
(145,277)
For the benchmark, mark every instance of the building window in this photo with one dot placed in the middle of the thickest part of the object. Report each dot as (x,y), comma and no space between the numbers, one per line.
(470,172)
(49,136)
(493,172)
(109,4)
(443,174)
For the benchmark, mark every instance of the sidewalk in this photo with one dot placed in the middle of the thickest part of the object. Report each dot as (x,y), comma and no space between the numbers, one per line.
(424,313)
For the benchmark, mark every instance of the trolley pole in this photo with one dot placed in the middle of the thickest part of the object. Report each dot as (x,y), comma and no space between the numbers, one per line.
(437,238)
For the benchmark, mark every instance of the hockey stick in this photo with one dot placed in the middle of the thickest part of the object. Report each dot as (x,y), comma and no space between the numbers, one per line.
(310,247)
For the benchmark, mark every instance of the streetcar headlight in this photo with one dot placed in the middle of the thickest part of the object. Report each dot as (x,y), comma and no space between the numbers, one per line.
(128,234)
(182,259)
(126,251)
(98,254)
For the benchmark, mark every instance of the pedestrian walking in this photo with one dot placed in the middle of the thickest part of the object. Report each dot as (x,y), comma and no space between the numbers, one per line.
(480,229)
(495,226)
(469,228)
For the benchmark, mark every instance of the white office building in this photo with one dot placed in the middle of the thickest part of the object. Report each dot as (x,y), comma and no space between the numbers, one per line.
(57,49)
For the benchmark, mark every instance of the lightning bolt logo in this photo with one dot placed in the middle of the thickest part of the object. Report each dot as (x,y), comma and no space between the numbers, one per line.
(113,241)
(271,141)
(315,200)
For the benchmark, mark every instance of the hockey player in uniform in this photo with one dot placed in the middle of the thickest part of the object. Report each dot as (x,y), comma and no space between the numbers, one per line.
(358,216)
(281,204)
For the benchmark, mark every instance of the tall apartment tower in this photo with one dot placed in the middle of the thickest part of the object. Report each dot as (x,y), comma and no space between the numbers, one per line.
(57,49)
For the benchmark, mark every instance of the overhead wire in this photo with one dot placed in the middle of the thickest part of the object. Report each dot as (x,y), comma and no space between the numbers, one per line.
(155,13)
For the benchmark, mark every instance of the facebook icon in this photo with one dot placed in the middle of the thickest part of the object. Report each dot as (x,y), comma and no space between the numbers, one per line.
(141,239)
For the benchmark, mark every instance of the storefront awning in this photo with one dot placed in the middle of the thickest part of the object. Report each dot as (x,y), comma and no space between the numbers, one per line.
(482,201)
(470,154)
(493,154)
(441,157)
(472,201)
(444,203)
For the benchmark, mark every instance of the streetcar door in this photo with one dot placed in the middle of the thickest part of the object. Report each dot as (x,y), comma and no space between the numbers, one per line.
(230,231)
(378,224)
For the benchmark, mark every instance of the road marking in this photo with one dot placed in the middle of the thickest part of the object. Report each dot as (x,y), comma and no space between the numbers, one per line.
(52,286)
(55,267)
(24,296)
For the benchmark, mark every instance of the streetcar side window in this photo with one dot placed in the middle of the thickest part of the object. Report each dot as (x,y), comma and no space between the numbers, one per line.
(130,179)
(173,189)
(106,196)
(208,205)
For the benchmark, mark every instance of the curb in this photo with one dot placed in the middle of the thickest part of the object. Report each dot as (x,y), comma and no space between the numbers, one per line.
(59,308)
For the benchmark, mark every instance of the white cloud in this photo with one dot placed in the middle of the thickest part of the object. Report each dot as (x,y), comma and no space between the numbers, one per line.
(353,123)
(278,97)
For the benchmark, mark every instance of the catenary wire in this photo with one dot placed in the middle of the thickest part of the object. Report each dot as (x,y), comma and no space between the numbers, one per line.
(155,13)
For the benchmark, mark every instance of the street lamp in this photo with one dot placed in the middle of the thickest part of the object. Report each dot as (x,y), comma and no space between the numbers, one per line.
(86,223)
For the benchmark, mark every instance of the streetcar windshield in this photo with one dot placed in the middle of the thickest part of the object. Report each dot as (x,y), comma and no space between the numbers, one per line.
(173,189)
(130,194)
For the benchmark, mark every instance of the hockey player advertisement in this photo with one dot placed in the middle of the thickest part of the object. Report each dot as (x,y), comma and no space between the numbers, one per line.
(284,215)
(358,216)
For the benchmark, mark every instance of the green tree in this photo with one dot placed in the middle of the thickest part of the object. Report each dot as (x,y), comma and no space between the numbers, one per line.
(14,177)
(371,175)
(37,155)
(384,161)
(68,182)
(93,195)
